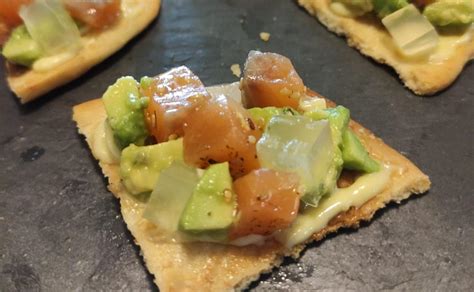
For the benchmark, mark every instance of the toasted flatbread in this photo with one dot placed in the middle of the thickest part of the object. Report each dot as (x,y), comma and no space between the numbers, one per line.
(215,267)
(136,16)
(369,36)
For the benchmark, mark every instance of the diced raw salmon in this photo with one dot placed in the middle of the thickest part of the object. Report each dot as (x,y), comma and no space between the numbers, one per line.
(172,95)
(221,130)
(271,80)
(267,200)
(9,12)
(96,14)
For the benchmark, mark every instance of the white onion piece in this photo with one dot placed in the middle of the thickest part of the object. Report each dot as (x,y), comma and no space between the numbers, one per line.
(51,26)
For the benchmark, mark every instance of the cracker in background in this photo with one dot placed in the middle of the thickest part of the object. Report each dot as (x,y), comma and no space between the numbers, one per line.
(367,35)
(137,14)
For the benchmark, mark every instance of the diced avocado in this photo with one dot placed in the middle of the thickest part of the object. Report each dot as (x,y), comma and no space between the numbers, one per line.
(450,12)
(140,166)
(299,144)
(339,118)
(262,115)
(145,82)
(124,108)
(386,7)
(354,154)
(211,207)
(21,48)
(351,8)
(412,33)
(167,201)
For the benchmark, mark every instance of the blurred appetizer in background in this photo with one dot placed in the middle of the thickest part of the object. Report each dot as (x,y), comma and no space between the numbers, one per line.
(218,184)
(427,42)
(47,43)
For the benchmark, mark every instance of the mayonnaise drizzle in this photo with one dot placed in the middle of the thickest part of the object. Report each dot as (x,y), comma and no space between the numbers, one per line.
(315,219)
(447,45)
(47,63)
(104,147)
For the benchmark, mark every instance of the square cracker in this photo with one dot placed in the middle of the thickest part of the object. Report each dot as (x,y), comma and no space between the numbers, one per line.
(214,267)
(369,36)
(137,14)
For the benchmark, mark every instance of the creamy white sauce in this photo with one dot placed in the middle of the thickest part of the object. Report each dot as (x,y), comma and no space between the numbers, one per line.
(254,239)
(48,63)
(315,219)
(447,46)
(104,147)
(131,7)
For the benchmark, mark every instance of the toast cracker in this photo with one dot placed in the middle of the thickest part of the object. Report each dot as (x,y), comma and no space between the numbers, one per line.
(369,36)
(214,267)
(137,14)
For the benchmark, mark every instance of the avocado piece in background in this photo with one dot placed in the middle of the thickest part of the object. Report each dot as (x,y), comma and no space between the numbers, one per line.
(124,108)
(140,166)
(450,13)
(20,48)
(355,155)
(386,7)
(210,209)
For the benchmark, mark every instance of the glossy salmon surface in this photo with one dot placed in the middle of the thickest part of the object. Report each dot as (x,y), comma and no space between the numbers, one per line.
(221,130)
(267,201)
(97,14)
(271,80)
(172,95)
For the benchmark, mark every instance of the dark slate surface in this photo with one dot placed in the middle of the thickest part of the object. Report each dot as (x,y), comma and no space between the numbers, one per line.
(60,229)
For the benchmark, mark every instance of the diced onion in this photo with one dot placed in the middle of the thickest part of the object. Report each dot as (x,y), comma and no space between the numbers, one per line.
(411,31)
(50,25)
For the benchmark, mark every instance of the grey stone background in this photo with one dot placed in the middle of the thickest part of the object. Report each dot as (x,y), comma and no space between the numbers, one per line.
(60,230)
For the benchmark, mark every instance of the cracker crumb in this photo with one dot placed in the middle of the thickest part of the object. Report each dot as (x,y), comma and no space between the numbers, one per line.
(251,139)
(172,137)
(235,68)
(227,195)
(264,36)
(285,91)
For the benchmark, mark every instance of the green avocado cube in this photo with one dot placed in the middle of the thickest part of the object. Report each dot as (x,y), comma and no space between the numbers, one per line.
(124,108)
(450,13)
(21,49)
(211,207)
(355,155)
